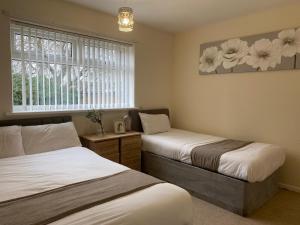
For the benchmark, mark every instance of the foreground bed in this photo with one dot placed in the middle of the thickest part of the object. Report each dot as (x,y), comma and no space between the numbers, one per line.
(31,176)
(245,180)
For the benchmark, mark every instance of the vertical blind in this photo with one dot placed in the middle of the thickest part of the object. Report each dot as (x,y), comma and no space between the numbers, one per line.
(53,70)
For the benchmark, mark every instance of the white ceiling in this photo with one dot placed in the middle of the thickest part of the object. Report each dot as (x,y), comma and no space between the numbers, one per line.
(180,15)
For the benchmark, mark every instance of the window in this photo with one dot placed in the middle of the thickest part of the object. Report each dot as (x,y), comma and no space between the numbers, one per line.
(55,71)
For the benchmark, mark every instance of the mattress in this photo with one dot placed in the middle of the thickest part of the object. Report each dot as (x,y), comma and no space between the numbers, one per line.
(254,162)
(31,174)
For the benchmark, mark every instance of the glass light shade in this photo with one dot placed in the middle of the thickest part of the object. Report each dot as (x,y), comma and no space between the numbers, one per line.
(125,19)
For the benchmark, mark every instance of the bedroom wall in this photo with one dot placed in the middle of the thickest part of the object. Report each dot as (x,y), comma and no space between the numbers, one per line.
(263,107)
(153,51)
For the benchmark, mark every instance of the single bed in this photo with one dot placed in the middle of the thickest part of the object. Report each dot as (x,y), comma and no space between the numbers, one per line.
(247,163)
(244,180)
(32,175)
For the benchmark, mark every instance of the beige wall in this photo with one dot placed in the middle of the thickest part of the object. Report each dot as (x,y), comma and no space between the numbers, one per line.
(153,50)
(253,106)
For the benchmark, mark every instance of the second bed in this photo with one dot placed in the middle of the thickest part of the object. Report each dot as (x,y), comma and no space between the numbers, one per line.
(245,178)
(247,163)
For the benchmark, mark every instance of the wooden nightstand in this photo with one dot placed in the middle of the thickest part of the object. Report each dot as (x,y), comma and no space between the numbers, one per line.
(120,148)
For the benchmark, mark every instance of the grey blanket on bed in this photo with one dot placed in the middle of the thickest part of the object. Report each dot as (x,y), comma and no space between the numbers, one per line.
(49,206)
(208,156)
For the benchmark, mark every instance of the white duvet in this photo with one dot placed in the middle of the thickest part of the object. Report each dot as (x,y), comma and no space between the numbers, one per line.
(254,162)
(161,204)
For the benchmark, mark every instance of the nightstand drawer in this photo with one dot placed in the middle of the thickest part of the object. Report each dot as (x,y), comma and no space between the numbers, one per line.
(134,164)
(128,154)
(108,149)
(131,142)
(131,151)
(112,157)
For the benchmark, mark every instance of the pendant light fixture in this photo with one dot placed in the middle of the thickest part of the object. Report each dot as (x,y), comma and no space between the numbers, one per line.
(125,19)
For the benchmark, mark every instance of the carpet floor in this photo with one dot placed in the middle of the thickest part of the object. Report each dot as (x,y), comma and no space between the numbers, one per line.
(283,209)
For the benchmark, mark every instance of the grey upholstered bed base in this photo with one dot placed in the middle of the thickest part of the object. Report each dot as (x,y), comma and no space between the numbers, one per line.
(236,195)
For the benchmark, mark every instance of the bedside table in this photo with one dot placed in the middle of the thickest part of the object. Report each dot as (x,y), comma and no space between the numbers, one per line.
(121,148)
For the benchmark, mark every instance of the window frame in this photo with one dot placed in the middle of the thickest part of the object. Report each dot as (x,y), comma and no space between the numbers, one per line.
(72,57)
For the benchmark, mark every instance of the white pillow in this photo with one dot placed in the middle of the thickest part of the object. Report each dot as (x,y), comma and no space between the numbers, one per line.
(11,142)
(155,123)
(49,137)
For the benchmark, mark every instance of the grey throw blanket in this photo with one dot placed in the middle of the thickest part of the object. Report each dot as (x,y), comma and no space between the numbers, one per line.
(208,156)
(49,206)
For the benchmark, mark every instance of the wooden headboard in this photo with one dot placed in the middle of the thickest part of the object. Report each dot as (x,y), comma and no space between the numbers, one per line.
(135,118)
(36,121)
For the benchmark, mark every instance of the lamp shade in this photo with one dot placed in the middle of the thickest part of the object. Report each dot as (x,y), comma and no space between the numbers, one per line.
(125,19)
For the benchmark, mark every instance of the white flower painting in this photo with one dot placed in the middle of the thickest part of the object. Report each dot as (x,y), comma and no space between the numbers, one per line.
(210,59)
(233,52)
(289,41)
(264,54)
(277,51)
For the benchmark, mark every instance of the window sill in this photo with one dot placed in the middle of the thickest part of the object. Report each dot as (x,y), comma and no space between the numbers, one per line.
(12,114)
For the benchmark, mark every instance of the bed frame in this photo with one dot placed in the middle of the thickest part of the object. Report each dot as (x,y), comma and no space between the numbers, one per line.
(36,121)
(238,196)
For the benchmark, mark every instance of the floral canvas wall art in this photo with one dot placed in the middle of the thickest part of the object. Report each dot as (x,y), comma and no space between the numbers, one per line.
(264,52)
